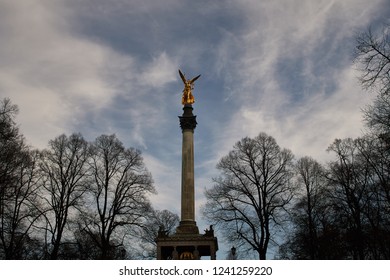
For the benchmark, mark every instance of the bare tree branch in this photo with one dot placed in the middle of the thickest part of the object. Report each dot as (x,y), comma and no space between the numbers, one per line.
(372,54)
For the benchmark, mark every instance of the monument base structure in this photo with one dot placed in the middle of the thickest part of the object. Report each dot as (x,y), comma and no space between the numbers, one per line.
(187,246)
(187,243)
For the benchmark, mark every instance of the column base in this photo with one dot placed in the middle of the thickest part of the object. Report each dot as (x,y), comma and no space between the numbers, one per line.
(187,227)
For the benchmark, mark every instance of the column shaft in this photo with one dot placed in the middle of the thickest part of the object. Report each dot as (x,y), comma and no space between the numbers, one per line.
(187,178)
(187,223)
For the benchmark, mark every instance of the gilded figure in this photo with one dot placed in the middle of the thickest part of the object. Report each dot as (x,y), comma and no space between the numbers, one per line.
(187,97)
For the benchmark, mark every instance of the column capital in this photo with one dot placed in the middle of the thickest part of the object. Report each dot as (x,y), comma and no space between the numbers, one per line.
(187,120)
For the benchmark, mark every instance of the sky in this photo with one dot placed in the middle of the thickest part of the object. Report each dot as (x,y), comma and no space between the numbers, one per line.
(102,67)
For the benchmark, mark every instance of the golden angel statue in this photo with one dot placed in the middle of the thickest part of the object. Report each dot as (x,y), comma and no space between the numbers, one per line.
(187,97)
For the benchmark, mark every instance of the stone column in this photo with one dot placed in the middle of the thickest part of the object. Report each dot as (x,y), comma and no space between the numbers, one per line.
(187,124)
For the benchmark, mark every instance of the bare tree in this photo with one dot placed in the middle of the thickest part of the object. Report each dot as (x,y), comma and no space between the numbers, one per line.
(351,179)
(158,221)
(249,197)
(18,185)
(64,170)
(20,211)
(375,152)
(373,57)
(311,215)
(118,194)
(311,179)
(11,143)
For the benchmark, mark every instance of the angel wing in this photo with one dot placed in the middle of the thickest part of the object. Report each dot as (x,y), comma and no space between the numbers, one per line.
(182,77)
(194,79)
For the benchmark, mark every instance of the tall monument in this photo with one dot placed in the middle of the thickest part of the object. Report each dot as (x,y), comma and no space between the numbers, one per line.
(187,243)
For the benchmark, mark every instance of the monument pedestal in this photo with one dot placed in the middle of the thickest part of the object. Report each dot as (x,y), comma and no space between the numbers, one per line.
(187,246)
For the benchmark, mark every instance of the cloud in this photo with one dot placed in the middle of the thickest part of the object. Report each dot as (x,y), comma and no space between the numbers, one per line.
(292,74)
(160,71)
(310,127)
(52,75)
(64,81)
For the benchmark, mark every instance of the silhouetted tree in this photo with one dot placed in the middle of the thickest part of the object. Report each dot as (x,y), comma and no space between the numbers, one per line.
(352,216)
(84,247)
(308,211)
(10,142)
(375,153)
(18,185)
(351,180)
(64,171)
(157,221)
(310,177)
(312,234)
(249,197)
(117,197)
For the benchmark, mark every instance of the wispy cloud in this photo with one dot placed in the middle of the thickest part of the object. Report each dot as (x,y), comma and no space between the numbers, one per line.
(293,76)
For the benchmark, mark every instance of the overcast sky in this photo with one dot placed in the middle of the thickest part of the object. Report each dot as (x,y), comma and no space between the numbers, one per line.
(101,67)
